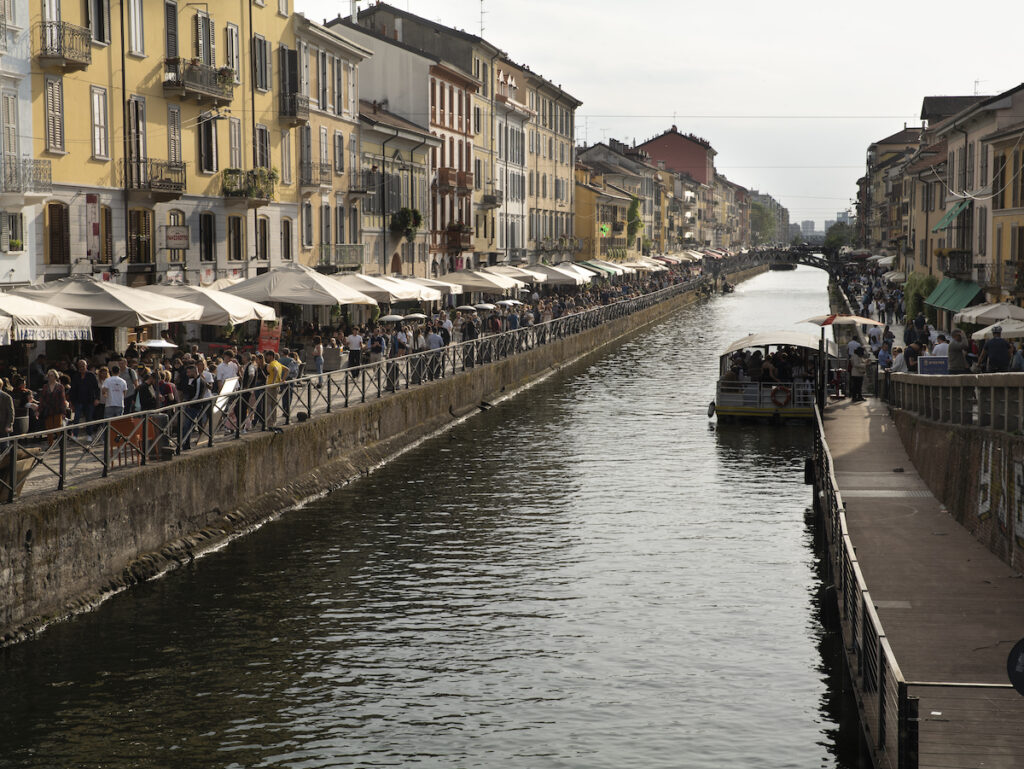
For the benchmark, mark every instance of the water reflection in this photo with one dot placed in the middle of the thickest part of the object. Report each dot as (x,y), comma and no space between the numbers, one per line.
(585,576)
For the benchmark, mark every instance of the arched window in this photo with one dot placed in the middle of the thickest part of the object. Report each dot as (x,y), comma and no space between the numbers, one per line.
(396,264)
(58,234)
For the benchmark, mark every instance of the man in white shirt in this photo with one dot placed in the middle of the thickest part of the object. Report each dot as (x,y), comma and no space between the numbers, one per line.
(354,343)
(941,347)
(852,345)
(227,369)
(112,393)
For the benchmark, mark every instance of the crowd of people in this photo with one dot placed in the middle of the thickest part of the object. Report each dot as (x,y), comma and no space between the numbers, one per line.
(787,364)
(104,384)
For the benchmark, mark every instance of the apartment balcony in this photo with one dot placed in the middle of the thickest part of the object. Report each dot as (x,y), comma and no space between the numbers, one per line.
(988,277)
(348,256)
(3,29)
(64,46)
(294,109)
(455,240)
(149,179)
(491,200)
(313,176)
(27,177)
(255,187)
(190,77)
(445,179)
(359,183)
(618,226)
(464,182)
(956,264)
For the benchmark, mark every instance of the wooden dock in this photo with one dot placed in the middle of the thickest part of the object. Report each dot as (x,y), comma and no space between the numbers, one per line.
(949,610)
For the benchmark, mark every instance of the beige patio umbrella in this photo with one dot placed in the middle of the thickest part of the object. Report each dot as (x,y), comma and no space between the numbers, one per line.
(487,282)
(989,313)
(556,276)
(384,289)
(518,273)
(446,289)
(25,320)
(111,304)
(297,284)
(1011,329)
(219,307)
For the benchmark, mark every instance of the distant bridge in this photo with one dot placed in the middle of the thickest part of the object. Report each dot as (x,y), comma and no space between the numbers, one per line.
(810,259)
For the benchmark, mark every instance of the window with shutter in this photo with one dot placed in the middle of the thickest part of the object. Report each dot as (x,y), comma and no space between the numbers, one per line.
(100,148)
(171,28)
(236,242)
(234,142)
(207,144)
(136,39)
(286,239)
(106,235)
(286,157)
(173,133)
(9,114)
(54,115)
(231,51)
(207,237)
(58,224)
(97,19)
(339,152)
(5,231)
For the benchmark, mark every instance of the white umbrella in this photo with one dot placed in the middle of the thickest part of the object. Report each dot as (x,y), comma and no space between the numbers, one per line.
(380,288)
(415,316)
(466,308)
(157,343)
(518,273)
(508,302)
(297,284)
(391,319)
(488,282)
(25,320)
(446,289)
(219,307)
(841,319)
(557,276)
(221,283)
(1011,329)
(111,304)
(486,306)
(989,313)
(583,272)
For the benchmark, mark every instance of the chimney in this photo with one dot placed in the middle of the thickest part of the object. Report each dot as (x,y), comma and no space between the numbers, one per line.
(355,11)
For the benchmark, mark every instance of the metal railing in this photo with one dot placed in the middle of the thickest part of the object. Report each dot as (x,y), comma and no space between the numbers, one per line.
(66,44)
(880,686)
(256,184)
(51,460)
(159,176)
(994,401)
(28,175)
(193,77)
(295,106)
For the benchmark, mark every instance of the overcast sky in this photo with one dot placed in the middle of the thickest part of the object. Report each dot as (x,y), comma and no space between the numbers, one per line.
(789,93)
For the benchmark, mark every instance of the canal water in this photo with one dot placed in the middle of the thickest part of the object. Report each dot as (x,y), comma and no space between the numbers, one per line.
(587,575)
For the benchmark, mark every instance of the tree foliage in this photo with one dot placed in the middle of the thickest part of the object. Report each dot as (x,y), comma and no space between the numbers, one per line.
(762,224)
(839,234)
(917,289)
(633,221)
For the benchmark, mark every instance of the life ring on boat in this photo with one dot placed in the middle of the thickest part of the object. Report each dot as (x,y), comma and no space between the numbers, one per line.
(781,396)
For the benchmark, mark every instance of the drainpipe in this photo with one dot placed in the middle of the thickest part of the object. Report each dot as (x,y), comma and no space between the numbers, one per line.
(125,142)
(491,78)
(383,201)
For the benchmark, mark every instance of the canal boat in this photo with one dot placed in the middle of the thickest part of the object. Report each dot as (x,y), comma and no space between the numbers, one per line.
(737,397)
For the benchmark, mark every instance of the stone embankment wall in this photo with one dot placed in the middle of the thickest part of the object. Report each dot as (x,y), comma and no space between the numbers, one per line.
(66,551)
(978,474)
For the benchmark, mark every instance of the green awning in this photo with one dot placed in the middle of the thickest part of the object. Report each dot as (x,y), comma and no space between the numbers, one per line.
(600,267)
(951,214)
(952,294)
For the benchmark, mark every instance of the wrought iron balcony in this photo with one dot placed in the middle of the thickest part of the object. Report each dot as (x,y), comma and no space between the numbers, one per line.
(492,200)
(27,175)
(359,183)
(314,175)
(256,187)
(294,108)
(446,179)
(190,77)
(457,239)
(345,255)
(64,45)
(956,264)
(988,276)
(157,179)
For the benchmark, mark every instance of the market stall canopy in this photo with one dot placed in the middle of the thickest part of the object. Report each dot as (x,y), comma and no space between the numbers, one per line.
(583,272)
(887,261)
(487,282)
(1011,329)
(221,283)
(517,273)
(25,320)
(382,289)
(694,256)
(446,289)
(895,276)
(297,284)
(219,307)
(981,314)
(557,276)
(606,269)
(111,304)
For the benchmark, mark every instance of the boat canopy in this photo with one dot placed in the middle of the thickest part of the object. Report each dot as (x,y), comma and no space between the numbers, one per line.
(782,338)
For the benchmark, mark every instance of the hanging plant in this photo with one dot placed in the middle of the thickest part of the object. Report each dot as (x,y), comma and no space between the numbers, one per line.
(405,222)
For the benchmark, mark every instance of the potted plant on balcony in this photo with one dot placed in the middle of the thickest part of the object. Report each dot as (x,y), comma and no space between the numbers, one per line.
(225,77)
(263,181)
(405,222)
(14,245)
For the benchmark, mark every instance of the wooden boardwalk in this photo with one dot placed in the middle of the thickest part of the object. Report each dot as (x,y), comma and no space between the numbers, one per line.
(951,611)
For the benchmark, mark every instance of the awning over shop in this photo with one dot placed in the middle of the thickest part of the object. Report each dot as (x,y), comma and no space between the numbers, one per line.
(953,295)
(951,214)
